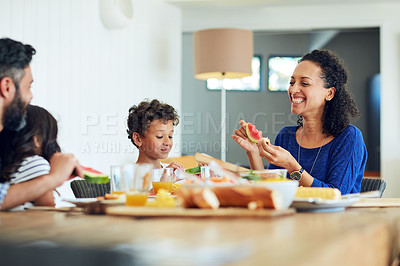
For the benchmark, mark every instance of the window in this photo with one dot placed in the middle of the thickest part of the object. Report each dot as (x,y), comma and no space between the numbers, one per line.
(251,83)
(280,70)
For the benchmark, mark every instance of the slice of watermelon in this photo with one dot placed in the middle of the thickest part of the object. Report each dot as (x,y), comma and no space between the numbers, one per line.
(253,134)
(91,170)
(93,176)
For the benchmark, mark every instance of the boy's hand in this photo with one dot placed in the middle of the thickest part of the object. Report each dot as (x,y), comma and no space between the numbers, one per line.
(175,166)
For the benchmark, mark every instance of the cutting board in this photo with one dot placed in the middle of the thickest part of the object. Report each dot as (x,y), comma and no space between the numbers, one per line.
(376,203)
(205,158)
(196,213)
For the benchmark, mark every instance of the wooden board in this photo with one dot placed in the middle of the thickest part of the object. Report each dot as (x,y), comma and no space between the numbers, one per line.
(205,158)
(377,202)
(195,213)
(47,208)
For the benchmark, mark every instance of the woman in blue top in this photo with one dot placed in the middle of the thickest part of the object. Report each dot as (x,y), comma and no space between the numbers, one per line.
(324,150)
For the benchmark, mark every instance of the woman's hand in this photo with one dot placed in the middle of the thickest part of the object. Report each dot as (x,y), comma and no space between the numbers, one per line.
(242,139)
(278,156)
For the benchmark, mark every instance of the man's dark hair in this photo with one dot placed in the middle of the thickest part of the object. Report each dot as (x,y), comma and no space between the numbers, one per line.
(142,115)
(339,111)
(14,58)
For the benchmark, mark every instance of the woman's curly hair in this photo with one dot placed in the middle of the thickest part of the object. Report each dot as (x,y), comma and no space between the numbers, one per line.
(18,145)
(339,111)
(140,116)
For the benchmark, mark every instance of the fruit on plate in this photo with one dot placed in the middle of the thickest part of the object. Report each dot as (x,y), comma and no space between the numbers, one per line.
(175,187)
(93,176)
(318,192)
(162,200)
(253,134)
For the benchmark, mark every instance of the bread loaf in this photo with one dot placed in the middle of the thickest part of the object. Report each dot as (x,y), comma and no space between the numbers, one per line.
(230,196)
(198,197)
(242,195)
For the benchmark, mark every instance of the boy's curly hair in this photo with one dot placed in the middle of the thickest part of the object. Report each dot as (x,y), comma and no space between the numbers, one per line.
(140,116)
(339,111)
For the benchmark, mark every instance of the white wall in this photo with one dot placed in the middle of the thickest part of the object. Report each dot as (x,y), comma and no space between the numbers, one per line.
(88,76)
(332,16)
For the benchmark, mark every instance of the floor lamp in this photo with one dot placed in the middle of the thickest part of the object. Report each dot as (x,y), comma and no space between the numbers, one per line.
(222,54)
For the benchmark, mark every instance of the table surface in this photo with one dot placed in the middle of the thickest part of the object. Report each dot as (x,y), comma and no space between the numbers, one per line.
(357,236)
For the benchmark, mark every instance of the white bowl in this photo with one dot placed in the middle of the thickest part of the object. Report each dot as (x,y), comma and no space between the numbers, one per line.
(266,174)
(286,188)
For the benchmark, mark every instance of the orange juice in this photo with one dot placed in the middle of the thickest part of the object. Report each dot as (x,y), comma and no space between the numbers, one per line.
(165,185)
(136,199)
(118,193)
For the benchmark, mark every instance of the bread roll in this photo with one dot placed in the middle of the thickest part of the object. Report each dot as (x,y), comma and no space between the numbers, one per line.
(230,196)
(198,197)
(242,195)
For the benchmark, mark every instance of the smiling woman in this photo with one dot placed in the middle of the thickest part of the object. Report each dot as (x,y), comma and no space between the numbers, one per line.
(324,150)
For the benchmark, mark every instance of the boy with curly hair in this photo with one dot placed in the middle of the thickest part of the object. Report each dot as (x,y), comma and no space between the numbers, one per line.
(151,128)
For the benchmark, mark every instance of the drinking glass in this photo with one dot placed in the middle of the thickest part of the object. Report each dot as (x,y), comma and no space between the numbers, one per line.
(138,188)
(162,178)
(115,180)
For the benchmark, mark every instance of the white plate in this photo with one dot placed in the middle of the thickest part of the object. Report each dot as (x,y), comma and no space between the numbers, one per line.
(318,205)
(81,202)
(120,201)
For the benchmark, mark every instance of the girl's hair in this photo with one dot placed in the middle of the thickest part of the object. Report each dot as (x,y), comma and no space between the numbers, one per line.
(142,115)
(339,111)
(16,146)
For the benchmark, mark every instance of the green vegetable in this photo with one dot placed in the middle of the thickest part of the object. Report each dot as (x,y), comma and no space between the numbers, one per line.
(251,176)
(95,178)
(194,170)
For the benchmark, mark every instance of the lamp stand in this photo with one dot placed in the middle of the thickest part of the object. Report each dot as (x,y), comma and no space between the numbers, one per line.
(223,120)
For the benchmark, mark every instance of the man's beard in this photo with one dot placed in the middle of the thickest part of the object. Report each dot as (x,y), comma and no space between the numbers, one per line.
(15,114)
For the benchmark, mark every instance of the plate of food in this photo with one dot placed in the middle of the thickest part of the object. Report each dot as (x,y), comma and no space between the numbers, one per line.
(119,201)
(112,199)
(321,205)
(81,202)
(108,199)
(313,199)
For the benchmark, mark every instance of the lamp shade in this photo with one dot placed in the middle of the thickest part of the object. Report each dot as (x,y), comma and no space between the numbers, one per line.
(222,53)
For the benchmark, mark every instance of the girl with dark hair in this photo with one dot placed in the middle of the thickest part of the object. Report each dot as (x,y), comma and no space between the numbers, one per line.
(26,154)
(151,129)
(324,149)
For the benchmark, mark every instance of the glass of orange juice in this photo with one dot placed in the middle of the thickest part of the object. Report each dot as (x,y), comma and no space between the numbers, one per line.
(162,178)
(139,184)
(116,184)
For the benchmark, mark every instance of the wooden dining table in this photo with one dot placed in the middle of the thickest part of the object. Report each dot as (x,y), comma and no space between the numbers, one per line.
(356,236)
